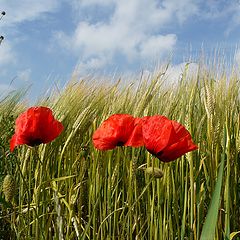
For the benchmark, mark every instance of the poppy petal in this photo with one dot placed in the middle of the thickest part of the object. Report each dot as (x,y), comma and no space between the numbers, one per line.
(136,138)
(157,133)
(177,149)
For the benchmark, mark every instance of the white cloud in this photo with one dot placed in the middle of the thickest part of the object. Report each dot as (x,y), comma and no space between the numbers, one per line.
(91,65)
(221,9)
(26,10)
(132,31)
(92,39)
(214,9)
(157,46)
(174,72)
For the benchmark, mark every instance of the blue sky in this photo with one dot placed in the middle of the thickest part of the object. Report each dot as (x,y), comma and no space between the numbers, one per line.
(47,41)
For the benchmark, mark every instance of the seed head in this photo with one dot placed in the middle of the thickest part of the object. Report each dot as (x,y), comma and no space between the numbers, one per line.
(155,172)
(8,187)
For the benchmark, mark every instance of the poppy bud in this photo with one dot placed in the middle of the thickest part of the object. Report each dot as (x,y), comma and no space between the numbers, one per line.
(8,187)
(155,172)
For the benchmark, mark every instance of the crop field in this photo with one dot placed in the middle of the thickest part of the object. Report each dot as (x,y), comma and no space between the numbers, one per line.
(69,189)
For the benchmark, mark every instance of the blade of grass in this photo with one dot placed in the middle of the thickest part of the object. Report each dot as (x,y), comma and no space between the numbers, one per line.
(209,226)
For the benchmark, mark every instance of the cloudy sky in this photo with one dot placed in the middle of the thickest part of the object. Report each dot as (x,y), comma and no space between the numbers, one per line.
(46,41)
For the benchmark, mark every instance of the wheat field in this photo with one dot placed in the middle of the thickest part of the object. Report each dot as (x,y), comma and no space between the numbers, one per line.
(67,189)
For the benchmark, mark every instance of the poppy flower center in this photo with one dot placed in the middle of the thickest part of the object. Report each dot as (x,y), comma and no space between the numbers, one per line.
(120,143)
(158,154)
(34,141)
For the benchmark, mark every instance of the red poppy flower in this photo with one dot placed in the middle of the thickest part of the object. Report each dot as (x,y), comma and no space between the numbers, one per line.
(35,126)
(136,139)
(166,139)
(118,130)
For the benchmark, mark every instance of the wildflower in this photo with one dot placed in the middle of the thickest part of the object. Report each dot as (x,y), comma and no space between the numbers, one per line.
(118,130)
(166,139)
(35,126)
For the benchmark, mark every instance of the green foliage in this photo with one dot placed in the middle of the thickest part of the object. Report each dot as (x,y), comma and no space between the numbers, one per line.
(67,189)
(210,224)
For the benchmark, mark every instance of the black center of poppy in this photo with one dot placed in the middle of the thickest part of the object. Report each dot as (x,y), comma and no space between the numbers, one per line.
(120,143)
(158,154)
(34,142)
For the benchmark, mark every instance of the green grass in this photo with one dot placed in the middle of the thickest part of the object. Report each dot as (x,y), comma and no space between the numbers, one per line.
(69,190)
